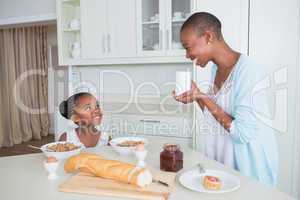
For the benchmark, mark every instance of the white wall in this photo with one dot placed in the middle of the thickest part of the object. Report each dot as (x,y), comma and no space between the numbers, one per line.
(22,11)
(273,42)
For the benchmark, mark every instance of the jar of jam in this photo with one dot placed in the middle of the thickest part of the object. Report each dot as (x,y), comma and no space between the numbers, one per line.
(171,158)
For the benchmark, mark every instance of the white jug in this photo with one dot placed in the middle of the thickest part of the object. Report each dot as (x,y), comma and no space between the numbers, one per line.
(75,50)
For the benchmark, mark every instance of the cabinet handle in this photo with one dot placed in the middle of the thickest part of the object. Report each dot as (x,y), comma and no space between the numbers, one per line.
(167,38)
(108,43)
(103,44)
(160,39)
(149,121)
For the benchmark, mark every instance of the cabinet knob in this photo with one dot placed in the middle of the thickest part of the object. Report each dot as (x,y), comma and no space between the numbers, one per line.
(167,39)
(160,39)
(103,44)
(108,43)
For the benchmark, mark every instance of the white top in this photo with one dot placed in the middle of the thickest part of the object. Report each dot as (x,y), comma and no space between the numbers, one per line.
(218,142)
(71,136)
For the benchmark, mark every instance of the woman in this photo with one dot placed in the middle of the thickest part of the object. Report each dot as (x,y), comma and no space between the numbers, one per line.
(237,138)
(83,109)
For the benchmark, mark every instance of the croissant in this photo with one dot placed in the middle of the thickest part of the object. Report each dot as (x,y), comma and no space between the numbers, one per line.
(110,169)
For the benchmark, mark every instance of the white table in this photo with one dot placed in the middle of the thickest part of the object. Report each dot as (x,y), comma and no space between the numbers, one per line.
(23,177)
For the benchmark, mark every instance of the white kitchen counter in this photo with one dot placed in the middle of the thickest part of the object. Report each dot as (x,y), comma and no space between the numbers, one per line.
(23,177)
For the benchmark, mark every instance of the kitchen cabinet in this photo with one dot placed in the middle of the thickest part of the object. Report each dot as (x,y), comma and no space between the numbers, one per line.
(138,31)
(108,28)
(158,26)
(233,15)
(68,36)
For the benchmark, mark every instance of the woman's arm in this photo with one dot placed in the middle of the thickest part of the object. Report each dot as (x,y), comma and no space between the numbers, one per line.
(203,101)
(219,114)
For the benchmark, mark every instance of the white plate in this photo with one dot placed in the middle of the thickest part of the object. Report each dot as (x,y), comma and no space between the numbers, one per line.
(125,150)
(194,180)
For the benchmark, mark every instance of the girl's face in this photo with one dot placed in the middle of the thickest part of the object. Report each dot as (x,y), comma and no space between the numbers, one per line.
(87,111)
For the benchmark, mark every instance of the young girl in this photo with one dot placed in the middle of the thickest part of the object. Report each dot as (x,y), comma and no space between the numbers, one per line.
(83,109)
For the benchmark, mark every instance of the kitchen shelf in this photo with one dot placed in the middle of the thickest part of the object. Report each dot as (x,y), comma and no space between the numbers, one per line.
(71,30)
(178,20)
(150,22)
(71,2)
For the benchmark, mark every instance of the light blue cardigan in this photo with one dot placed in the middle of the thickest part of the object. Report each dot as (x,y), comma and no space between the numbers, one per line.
(254,142)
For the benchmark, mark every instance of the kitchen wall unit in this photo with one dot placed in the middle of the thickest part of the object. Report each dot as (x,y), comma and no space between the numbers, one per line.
(67,36)
(158,26)
(108,28)
(138,31)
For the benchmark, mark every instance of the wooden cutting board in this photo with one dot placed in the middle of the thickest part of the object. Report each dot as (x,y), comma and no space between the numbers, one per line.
(84,183)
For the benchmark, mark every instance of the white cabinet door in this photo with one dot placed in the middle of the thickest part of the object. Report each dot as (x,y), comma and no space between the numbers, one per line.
(273,44)
(158,26)
(94,28)
(177,11)
(150,27)
(233,15)
(121,35)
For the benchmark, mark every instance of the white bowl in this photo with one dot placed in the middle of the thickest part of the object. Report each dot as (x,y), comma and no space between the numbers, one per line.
(125,150)
(64,154)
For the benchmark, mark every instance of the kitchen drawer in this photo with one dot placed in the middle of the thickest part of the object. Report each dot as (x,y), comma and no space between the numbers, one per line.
(151,125)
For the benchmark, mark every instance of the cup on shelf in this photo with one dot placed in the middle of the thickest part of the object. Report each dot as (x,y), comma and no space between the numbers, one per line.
(186,15)
(156,46)
(74,24)
(176,45)
(75,50)
(154,18)
(177,15)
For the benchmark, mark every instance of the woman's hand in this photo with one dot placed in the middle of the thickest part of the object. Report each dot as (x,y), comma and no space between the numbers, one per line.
(190,96)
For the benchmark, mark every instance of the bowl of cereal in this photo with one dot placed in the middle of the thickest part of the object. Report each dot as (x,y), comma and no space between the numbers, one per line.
(62,150)
(126,145)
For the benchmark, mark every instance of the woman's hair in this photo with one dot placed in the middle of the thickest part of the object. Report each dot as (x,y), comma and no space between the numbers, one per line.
(66,107)
(203,21)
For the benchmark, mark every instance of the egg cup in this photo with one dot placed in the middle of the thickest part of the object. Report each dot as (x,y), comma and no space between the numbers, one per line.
(51,168)
(141,155)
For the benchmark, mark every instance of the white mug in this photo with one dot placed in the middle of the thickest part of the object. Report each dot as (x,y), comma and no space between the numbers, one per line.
(75,24)
(183,82)
(177,15)
(75,50)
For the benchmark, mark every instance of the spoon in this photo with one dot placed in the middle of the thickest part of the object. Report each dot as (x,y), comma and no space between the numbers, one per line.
(39,148)
(200,168)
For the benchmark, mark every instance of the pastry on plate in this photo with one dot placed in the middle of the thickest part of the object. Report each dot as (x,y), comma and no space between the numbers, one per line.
(212,183)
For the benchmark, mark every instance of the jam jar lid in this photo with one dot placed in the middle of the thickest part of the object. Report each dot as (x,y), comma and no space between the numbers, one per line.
(171,147)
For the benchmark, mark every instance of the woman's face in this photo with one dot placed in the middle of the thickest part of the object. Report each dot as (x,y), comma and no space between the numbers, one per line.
(196,47)
(88,111)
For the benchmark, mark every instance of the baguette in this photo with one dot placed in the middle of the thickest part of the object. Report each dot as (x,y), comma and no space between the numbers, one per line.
(110,169)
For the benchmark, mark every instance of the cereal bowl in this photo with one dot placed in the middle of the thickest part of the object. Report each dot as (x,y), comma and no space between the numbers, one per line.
(62,150)
(126,145)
